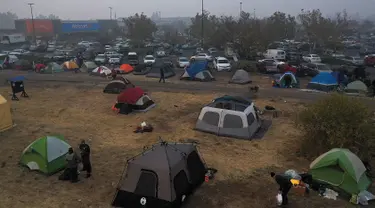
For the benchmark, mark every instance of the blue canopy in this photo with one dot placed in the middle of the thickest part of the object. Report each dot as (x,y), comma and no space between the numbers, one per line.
(196,67)
(17,79)
(324,78)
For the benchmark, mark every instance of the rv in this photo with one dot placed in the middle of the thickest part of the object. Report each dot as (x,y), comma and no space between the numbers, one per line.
(275,54)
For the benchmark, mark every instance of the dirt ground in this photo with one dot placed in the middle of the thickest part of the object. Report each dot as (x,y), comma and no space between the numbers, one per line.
(83,113)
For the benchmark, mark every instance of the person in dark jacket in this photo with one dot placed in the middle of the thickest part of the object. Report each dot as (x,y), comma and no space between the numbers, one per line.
(285,186)
(73,160)
(113,74)
(162,77)
(85,155)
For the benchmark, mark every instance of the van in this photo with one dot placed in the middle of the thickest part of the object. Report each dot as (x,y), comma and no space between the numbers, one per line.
(275,54)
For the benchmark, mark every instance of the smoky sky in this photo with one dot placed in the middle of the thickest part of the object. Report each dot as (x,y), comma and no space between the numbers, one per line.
(97,9)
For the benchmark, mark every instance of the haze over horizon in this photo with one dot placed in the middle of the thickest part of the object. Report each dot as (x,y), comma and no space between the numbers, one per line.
(87,9)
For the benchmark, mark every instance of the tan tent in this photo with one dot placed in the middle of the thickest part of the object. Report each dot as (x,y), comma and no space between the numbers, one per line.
(5,115)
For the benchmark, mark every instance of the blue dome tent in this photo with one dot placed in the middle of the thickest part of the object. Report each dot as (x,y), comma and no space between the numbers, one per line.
(197,71)
(324,81)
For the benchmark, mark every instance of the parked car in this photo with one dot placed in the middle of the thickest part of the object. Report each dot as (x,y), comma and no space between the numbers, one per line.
(51,48)
(369,60)
(353,60)
(202,56)
(199,50)
(312,69)
(114,60)
(222,64)
(182,62)
(311,58)
(19,52)
(59,56)
(111,54)
(133,58)
(84,43)
(268,65)
(212,50)
(160,53)
(149,60)
(101,59)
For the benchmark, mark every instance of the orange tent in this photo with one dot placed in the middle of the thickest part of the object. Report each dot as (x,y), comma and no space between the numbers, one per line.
(126,68)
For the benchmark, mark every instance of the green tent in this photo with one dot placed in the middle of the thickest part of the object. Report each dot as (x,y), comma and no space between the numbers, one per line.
(46,154)
(88,66)
(342,169)
(51,68)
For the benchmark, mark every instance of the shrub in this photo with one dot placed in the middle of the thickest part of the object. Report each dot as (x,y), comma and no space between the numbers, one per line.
(337,122)
(246,65)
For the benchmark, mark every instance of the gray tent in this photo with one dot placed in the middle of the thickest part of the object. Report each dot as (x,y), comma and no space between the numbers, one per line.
(356,87)
(141,69)
(240,77)
(155,71)
(117,86)
(229,116)
(88,66)
(161,176)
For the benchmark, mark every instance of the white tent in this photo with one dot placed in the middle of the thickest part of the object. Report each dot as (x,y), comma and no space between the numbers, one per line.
(101,71)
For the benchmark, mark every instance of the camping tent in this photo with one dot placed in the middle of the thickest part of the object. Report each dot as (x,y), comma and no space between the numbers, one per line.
(46,154)
(88,66)
(162,176)
(5,115)
(197,71)
(136,99)
(51,68)
(141,69)
(70,65)
(342,169)
(286,80)
(101,71)
(117,86)
(229,116)
(125,69)
(324,81)
(22,64)
(155,70)
(356,87)
(240,77)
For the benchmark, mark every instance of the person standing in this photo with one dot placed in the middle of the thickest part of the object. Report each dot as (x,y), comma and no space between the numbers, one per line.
(162,77)
(85,155)
(73,160)
(284,186)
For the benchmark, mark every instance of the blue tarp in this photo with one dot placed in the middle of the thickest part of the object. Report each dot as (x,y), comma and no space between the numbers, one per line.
(324,78)
(196,67)
(17,79)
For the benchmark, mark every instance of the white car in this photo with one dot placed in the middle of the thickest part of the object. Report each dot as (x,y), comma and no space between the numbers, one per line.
(160,53)
(111,54)
(84,43)
(212,50)
(183,62)
(108,48)
(100,59)
(19,52)
(51,48)
(201,56)
(222,64)
(149,60)
(114,60)
(312,58)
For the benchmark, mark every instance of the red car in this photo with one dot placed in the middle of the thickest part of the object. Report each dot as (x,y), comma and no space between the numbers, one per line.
(287,68)
(370,60)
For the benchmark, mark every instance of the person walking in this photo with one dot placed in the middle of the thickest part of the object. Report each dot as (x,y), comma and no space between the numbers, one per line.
(162,77)
(85,155)
(73,160)
(284,186)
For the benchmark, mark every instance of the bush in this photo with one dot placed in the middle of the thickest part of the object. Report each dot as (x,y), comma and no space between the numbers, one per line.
(337,122)
(246,65)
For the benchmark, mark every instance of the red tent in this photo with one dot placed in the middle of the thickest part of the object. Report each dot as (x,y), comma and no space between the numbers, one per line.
(130,95)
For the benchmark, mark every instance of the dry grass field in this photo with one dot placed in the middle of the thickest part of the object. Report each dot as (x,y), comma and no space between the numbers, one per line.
(83,113)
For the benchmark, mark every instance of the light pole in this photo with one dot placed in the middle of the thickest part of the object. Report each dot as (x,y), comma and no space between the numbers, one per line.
(110,12)
(202,24)
(240,8)
(32,20)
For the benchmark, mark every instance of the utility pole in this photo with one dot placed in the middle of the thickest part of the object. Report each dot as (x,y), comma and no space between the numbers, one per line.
(32,20)
(240,8)
(110,12)
(202,24)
